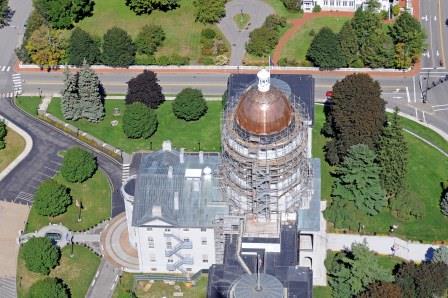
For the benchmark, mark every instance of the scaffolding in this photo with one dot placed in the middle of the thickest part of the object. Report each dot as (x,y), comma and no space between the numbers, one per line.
(264,175)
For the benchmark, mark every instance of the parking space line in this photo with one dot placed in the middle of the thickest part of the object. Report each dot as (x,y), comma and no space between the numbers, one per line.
(415,95)
(407,94)
(439,110)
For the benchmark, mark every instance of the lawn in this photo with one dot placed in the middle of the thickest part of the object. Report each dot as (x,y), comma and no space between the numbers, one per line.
(241,20)
(29,104)
(298,45)
(426,170)
(159,289)
(95,195)
(181,133)
(182,32)
(14,146)
(76,272)
(281,10)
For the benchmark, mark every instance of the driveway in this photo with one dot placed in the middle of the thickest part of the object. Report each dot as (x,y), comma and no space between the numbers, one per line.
(258,11)
(43,162)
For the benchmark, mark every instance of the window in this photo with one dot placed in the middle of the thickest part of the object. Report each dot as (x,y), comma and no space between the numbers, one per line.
(150,242)
(152,258)
(204,258)
(204,241)
(153,269)
(149,229)
(169,245)
(167,230)
(170,260)
(187,239)
(186,230)
(203,229)
(189,269)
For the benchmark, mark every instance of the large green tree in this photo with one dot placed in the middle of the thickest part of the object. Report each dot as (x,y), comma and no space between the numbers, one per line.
(189,104)
(348,45)
(118,48)
(70,105)
(149,39)
(440,255)
(3,132)
(82,48)
(365,23)
(357,180)
(355,116)
(147,6)
(382,290)
(392,156)
(51,198)
(408,31)
(48,288)
(90,97)
(40,255)
(210,11)
(350,272)
(324,51)
(61,14)
(145,88)
(78,165)
(378,50)
(46,47)
(139,121)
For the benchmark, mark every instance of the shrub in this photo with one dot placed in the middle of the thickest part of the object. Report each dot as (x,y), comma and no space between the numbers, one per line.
(284,61)
(173,60)
(444,202)
(291,5)
(78,165)
(407,206)
(139,121)
(275,22)
(40,255)
(208,33)
(48,287)
(189,105)
(210,11)
(264,39)
(221,60)
(147,6)
(146,89)
(317,8)
(145,60)
(51,198)
(3,133)
(149,39)
(440,255)
(325,51)
(60,14)
(118,48)
(207,60)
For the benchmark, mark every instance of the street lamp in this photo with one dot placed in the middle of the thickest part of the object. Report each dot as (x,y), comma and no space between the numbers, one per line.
(79,205)
(40,93)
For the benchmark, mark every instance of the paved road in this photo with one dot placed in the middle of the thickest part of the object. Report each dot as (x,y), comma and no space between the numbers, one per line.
(258,11)
(105,280)
(42,162)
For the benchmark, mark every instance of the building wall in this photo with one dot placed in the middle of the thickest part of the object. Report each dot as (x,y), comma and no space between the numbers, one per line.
(339,5)
(152,259)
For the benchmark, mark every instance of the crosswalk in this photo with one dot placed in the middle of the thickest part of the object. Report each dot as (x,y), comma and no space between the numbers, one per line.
(17,82)
(5,68)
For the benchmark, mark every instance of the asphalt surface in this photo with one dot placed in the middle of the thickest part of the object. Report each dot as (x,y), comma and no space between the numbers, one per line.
(43,162)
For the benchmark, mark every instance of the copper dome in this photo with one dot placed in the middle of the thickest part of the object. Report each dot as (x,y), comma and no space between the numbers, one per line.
(264,113)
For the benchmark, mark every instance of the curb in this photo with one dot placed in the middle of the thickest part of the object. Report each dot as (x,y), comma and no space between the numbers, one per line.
(23,154)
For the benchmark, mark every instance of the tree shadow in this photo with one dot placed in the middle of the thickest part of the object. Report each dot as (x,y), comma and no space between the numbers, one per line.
(7,17)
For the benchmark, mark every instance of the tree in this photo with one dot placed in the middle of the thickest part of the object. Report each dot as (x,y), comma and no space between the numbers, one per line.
(40,255)
(118,48)
(90,97)
(348,45)
(356,115)
(149,39)
(317,8)
(392,157)
(378,51)
(48,287)
(4,12)
(325,51)
(396,10)
(147,6)
(61,14)
(189,104)
(444,202)
(382,290)
(139,121)
(424,280)
(3,132)
(78,165)
(51,198)
(357,180)
(350,272)
(440,255)
(408,30)
(46,47)
(82,47)
(210,11)
(402,59)
(70,104)
(365,23)
(146,89)
(262,41)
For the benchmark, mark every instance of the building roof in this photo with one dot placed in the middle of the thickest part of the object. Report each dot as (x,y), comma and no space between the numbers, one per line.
(264,113)
(179,193)
(309,219)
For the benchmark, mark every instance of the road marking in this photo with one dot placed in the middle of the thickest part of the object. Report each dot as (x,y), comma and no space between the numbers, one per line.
(430,40)
(441,33)
(16,75)
(436,106)
(437,53)
(415,95)
(3,68)
(435,18)
(438,110)
(416,113)
(424,116)
(9,67)
(397,97)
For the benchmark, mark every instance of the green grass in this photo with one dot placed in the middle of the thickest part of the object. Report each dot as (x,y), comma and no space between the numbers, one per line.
(182,32)
(76,272)
(182,133)
(321,292)
(95,195)
(159,289)
(427,168)
(281,10)
(298,45)
(29,104)
(14,146)
(241,20)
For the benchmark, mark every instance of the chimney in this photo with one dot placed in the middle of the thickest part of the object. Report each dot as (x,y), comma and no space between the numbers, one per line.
(156,211)
(201,157)
(166,145)
(181,155)
(170,172)
(264,80)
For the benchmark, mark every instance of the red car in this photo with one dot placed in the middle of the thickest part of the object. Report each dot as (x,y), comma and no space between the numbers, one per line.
(329,94)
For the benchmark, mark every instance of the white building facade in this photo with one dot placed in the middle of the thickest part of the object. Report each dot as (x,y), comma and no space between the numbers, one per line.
(342,5)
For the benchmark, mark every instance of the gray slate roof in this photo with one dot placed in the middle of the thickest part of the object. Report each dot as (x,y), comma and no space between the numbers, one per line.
(199,199)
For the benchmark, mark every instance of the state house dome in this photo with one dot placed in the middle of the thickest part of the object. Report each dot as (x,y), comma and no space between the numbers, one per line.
(264,110)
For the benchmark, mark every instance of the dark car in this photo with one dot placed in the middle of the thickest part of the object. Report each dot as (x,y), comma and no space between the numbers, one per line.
(53,236)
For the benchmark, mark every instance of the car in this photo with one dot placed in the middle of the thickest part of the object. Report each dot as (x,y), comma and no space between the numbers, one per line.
(53,236)
(329,94)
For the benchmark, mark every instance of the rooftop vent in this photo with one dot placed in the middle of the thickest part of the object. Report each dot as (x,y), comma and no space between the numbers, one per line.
(166,145)
(201,157)
(156,211)
(207,172)
(170,172)
(181,155)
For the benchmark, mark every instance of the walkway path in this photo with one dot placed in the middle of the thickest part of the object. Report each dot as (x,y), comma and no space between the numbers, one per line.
(411,251)
(105,280)
(258,11)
